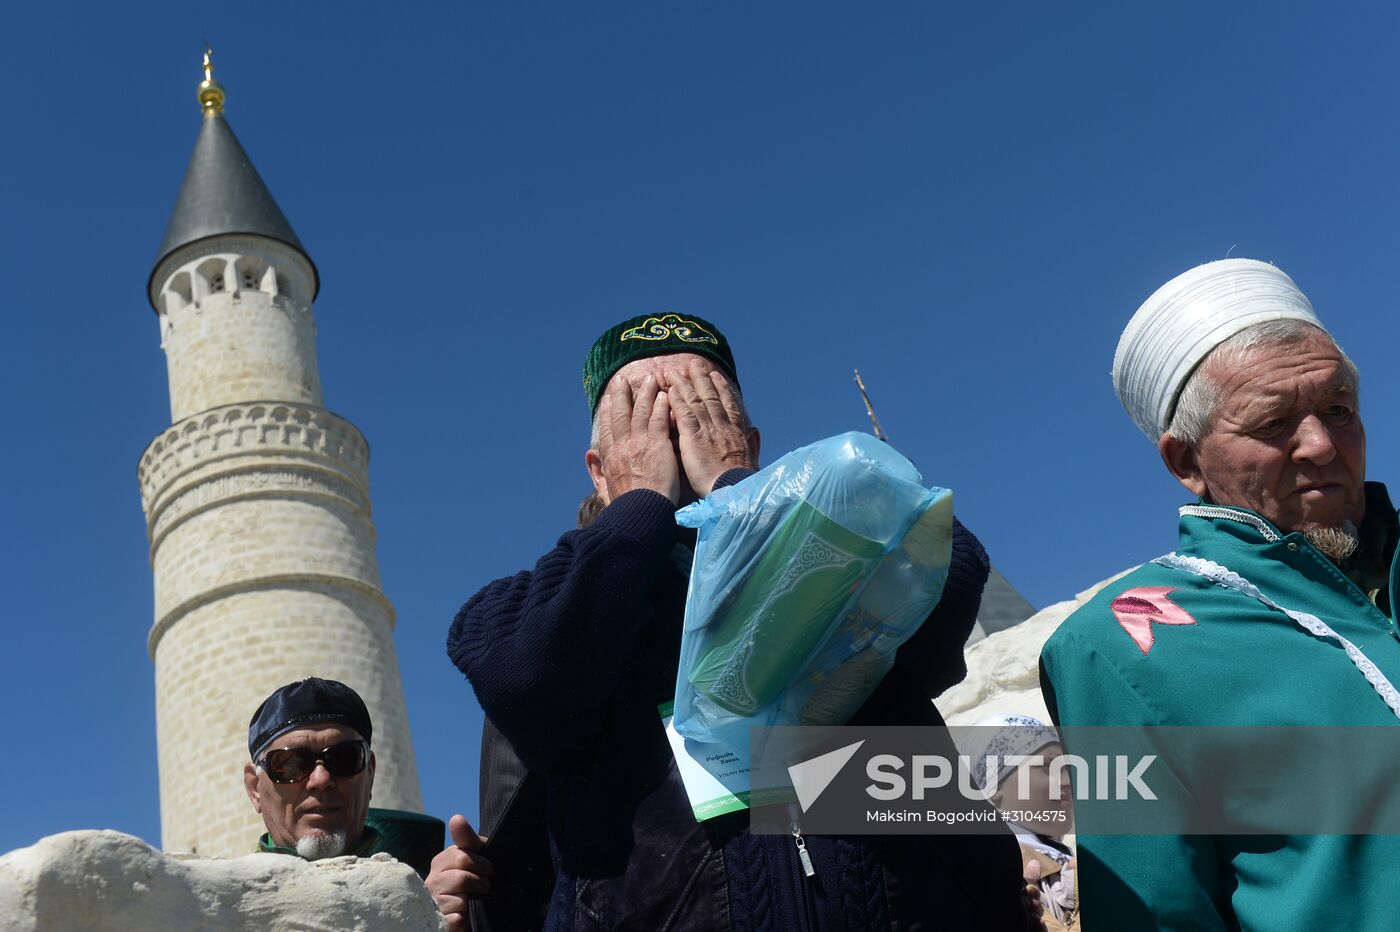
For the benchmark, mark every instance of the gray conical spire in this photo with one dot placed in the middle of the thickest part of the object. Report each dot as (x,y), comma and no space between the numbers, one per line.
(1002,607)
(222,192)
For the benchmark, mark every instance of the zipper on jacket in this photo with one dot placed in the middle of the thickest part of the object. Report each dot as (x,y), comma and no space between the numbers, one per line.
(805,871)
(802,855)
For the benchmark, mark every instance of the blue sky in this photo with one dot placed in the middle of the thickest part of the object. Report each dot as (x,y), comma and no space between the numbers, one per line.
(967,201)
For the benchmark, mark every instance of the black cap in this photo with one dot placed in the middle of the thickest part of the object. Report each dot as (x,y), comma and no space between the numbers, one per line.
(306,702)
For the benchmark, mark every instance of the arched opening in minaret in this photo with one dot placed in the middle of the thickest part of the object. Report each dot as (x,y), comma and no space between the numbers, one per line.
(179,293)
(213,272)
(251,273)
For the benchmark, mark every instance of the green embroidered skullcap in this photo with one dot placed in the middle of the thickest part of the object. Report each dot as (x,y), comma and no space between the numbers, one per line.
(652,335)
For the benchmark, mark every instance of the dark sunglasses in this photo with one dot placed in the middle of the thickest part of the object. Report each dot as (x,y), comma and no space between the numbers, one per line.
(289,765)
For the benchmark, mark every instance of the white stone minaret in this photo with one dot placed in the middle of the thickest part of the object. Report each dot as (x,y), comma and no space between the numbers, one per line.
(257,506)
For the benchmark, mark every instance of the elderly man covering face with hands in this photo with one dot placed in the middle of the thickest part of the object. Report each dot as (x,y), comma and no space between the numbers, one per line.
(673,424)
(572,659)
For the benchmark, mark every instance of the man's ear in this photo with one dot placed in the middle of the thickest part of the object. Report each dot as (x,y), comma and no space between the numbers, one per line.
(594,463)
(754,441)
(1180,459)
(371,774)
(250,784)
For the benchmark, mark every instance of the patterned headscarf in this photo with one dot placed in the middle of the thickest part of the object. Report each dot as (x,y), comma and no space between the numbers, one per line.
(1004,736)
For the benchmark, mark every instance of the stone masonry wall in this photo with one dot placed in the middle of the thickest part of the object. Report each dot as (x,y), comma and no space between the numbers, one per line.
(219,661)
(236,325)
(262,544)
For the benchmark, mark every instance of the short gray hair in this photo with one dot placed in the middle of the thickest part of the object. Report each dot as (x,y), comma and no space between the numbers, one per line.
(1199,400)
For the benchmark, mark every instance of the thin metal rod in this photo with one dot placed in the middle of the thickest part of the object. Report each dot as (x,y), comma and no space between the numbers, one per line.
(870,409)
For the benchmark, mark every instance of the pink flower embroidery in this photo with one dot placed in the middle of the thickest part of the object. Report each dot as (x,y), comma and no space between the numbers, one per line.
(1138,608)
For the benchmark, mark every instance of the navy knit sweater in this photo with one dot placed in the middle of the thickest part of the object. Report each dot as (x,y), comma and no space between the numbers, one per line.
(571,661)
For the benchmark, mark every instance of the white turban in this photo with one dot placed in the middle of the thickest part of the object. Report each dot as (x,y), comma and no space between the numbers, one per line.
(1187,318)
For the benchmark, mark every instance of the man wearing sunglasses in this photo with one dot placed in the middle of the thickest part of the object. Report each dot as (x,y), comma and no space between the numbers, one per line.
(312,770)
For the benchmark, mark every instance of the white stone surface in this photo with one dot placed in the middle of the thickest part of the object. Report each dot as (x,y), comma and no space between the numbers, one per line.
(103,881)
(1003,669)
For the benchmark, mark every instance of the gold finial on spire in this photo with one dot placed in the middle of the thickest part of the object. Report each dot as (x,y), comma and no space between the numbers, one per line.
(211,92)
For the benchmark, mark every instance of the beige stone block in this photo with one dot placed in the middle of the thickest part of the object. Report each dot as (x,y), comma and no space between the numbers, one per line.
(104,881)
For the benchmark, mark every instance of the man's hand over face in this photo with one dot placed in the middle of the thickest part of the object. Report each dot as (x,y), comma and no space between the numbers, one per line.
(713,430)
(459,873)
(634,440)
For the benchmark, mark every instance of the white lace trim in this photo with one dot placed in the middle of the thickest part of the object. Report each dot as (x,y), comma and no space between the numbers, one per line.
(1223,576)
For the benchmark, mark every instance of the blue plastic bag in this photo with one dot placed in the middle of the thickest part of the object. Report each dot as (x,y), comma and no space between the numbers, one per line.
(808,575)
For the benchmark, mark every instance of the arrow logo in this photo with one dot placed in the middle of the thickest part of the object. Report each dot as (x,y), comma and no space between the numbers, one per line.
(811,777)
(1137,609)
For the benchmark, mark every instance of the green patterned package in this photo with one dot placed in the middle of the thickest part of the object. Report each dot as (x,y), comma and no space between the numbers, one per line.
(807,577)
(781,610)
